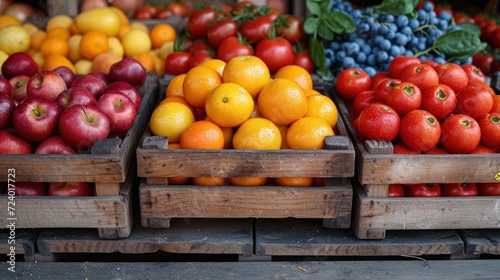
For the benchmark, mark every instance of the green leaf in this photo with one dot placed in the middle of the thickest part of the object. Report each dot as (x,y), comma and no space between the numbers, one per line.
(458,43)
(311,25)
(319,7)
(470,27)
(325,32)
(325,74)
(339,22)
(396,7)
(317,52)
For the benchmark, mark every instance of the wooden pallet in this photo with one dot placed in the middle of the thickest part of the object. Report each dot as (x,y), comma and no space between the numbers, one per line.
(159,202)
(19,244)
(481,243)
(376,167)
(307,238)
(108,165)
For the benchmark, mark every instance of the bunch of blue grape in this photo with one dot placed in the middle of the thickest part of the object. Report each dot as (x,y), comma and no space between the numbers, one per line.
(381,37)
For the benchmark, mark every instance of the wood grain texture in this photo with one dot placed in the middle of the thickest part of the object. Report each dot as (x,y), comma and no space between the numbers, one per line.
(25,241)
(481,241)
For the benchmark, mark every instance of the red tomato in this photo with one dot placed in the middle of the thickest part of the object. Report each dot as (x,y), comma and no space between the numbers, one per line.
(431,63)
(496,104)
(399,63)
(459,17)
(199,21)
(362,100)
(396,190)
(305,61)
(199,46)
(378,122)
(485,86)
(232,47)
(378,77)
(495,38)
(383,88)
(146,12)
(490,130)
(276,53)
(402,149)
(480,149)
(273,14)
(459,189)
(474,101)
(164,14)
(256,30)
(420,130)
(220,31)
(352,81)
(198,58)
(437,150)
(486,63)
(460,134)
(452,75)
(423,190)
(178,9)
(439,100)
(422,75)
(488,189)
(291,28)
(177,63)
(487,30)
(441,9)
(474,73)
(245,7)
(404,97)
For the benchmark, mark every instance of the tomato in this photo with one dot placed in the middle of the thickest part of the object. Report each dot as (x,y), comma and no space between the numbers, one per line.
(177,63)
(459,18)
(474,101)
(422,75)
(459,189)
(178,9)
(272,13)
(402,149)
(495,38)
(420,130)
(256,30)
(352,81)
(383,88)
(305,61)
(488,189)
(291,28)
(480,149)
(231,47)
(487,30)
(276,53)
(474,74)
(362,100)
(496,104)
(486,63)
(199,21)
(378,77)
(438,10)
(431,63)
(460,134)
(423,190)
(452,75)
(439,100)
(437,150)
(146,12)
(245,7)
(396,190)
(399,63)
(486,87)
(198,58)
(404,97)
(490,130)
(199,46)
(378,122)
(220,31)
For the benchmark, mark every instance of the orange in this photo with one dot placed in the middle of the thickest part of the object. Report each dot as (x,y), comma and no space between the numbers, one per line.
(176,180)
(228,133)
(123,17)
(321,106)
(37,39)
(104,61)
(203,135)
(59,32)
(54,45)
(6,20)
(136,41)
(308,133)
(257,134)
(283,130)
(162,33)
(248,71)
(296,73)
(179,99)
(73,29)
(174,87)
(146,60)
(209,181)
(159,66)
(198,83)
(229,105)
(171,119)
(93,43)
(294,181)
(256,113)
(282,101)
(123,30)
(311,92)
(55,60)
(61,20)
(217,64)
(247,181)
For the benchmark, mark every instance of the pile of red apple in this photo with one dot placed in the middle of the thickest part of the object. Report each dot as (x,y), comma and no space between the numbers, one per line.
(57,112)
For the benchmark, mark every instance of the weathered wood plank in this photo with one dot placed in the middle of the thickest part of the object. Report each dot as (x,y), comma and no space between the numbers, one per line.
(24,241)
(481,241)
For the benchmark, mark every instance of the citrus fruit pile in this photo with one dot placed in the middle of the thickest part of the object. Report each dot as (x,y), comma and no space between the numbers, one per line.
(238,105)
(91,41)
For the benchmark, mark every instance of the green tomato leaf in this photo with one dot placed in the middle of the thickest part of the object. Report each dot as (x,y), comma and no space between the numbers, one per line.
(317,52)
(470,27)
(311,25)
(318,7)
(339,22)
(325,32)
(396,7)
(458,43)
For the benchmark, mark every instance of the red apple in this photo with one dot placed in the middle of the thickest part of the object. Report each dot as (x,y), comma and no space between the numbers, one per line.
(47,84)
(128,70)
(5,86)
(126,89)
(19,63)
(83,125)
(101,76)
(119,109)
(67,75)
(71,189)
(91,83)
(75,96)
(31,188)
(13,144)
(55,144)
(36,118)
(7,106)
(19,88)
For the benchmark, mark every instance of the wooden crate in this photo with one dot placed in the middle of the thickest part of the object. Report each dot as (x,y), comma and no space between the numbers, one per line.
(376,167)
(159,202)
(481,243)
(107,165)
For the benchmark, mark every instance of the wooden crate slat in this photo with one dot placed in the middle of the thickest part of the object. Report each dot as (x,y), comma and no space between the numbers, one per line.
(25,241)
(481,241)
